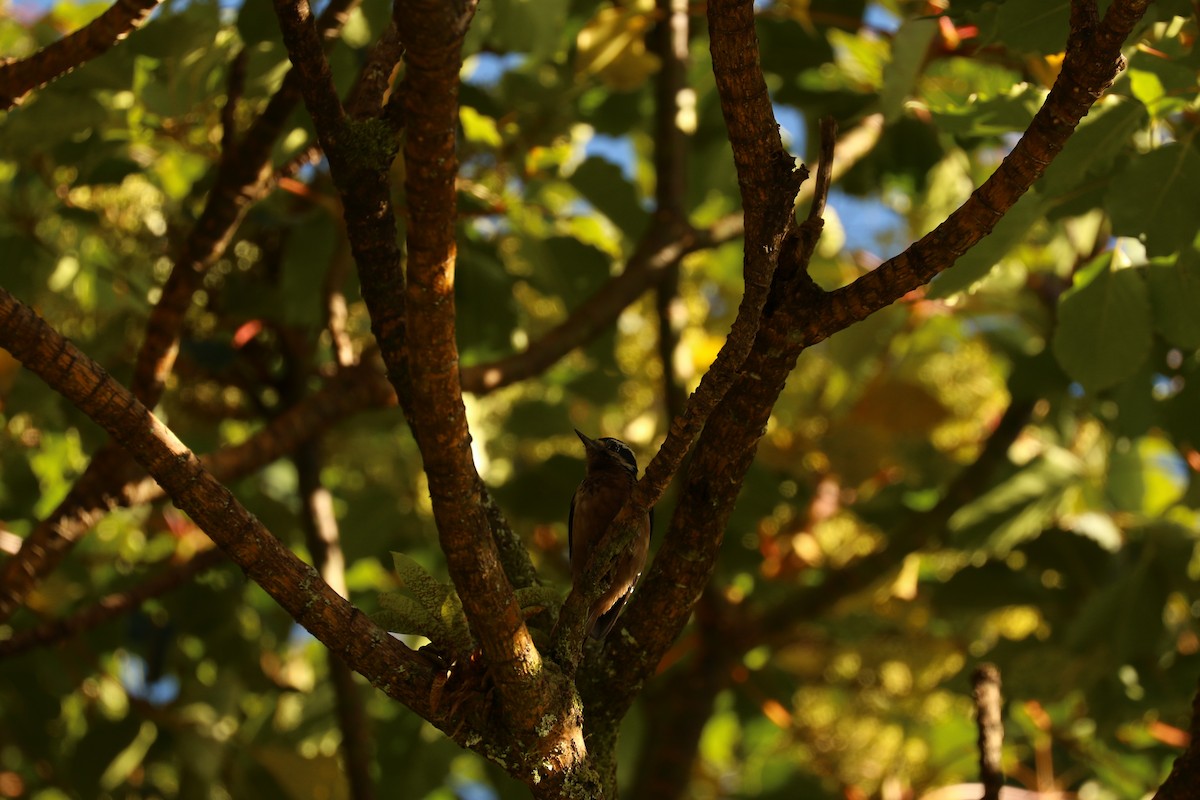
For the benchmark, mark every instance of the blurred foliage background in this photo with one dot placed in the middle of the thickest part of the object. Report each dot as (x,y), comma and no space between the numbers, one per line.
(1066,554)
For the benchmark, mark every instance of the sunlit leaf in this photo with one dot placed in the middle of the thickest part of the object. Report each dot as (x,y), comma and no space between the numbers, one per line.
(612,46)
(1146,476)
(1019,508)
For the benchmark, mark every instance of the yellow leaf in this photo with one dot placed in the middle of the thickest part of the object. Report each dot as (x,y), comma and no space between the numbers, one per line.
(612,47)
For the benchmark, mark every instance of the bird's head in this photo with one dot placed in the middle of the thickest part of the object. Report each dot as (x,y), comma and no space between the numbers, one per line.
(608,453)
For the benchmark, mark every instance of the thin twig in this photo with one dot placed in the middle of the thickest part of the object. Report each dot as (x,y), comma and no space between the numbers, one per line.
(670,43)
(985,683)
(324,545)
(112,605)
(19,77)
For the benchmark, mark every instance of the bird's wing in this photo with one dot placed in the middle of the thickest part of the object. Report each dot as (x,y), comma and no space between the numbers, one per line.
(605,622)
(651,522)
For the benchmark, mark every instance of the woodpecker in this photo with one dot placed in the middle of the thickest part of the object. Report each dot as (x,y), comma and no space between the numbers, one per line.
(611,474)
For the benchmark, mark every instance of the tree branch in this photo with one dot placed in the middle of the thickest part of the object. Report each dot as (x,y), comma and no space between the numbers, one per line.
(117,482)
(651,263)
(19,77)
(398,671)
(366,98)
(678,710)
(769,182)
(985,683)
(1184,781)
(432,33)
(112,605)
(669,42)
(684,563)
(324,545)
(243,176)
(801,315)
(1092,62)
(426,379)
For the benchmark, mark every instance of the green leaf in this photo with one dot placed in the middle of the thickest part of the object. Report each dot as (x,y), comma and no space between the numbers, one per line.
(1175,298)
(612,47)
(565,267)
(1165,85)
(436,612)
(1124,617)
(1155,198)
(1147,476)
(478,128)
(1103,333)
(428,590)
(603,184)
(487,312)
(1033,26)
(977,262)
(909,46)
(1020,507)
(529,26)
(50,118)
(400,613)
(109,171)
(992,117)
(454,622)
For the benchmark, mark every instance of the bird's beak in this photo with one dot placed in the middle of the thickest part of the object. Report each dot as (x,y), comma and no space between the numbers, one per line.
(590,444)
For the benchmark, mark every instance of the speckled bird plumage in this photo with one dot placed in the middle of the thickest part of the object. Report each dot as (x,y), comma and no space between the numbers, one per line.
(611,474)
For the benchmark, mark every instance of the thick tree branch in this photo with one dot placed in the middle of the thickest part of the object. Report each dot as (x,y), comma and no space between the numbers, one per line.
(682,567)
(678,710)
(19,77)
(1092,62)
(426,378)
(116,482)
(769,182)
(432,33)
(803,314)
(398,671)
(243,176)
